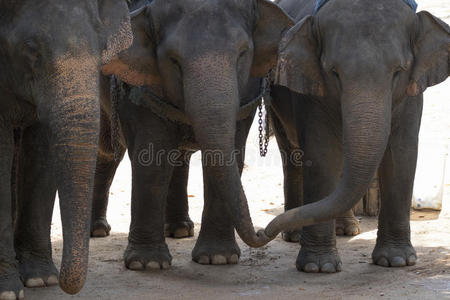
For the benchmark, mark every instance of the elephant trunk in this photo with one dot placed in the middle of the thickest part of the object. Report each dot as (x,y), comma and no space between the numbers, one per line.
(74,119)
(213,104)
(366,122)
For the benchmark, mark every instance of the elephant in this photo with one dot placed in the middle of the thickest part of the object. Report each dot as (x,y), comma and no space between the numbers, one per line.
(348,92)
(189,82)
(178,223)
(50,58)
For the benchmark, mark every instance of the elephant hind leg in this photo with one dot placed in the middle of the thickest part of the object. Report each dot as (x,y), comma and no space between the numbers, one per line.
(104,174)
(292,171)
(347,224)
(178,223)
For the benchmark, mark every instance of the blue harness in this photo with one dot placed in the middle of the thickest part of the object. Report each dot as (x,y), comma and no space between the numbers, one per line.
(320,3)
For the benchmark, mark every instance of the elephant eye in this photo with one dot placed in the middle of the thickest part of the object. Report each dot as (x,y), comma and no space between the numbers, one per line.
(335,73)
(177,65)
(243,52)
(31,52)
(398,71)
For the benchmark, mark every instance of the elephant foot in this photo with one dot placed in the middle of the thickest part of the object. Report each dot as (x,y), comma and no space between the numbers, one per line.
(216,252)
(147,257)
(11,287)
(100,228)
(37,271)
(291,236)
(179,230)
(313,260)
(394,255)
(347,226)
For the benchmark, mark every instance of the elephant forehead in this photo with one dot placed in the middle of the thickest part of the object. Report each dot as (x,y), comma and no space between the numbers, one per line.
(367,17)
(320,3)
(169,9)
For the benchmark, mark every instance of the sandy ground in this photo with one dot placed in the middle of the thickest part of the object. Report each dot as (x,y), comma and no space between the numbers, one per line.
(269,272)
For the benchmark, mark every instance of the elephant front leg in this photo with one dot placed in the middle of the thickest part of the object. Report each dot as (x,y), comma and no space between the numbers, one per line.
(216,244)
(147,248)
(178,223)
(11,286)
(36,196)
(347,224)
(321,175)
(397,171)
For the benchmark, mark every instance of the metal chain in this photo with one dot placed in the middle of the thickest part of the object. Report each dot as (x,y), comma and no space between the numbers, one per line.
(264,133)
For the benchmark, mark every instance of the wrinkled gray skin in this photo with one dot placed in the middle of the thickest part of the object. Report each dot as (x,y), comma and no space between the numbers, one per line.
(178,223)
(356,72)
(50,56)
(205,57)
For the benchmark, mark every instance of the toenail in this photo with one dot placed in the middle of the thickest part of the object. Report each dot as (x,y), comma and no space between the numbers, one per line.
(398,261)
(311,268)
(52,280)
(328,268)
(204,260)
(219,260)
(234,259)
(136,265)
(34,282)
(8,296)
(382,261)
(153,265)
(412,260)
(165,265)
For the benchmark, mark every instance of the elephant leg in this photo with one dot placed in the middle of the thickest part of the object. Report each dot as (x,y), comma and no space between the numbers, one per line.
(106,165)
(178,223)
(150,152)
(11,286)
(147,248)
(216,244)
(320,141)
(36,197)
(292,170)
(397,171)
(104,175)
(347,224)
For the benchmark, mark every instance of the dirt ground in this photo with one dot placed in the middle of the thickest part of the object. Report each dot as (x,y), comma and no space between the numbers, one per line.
(269,272)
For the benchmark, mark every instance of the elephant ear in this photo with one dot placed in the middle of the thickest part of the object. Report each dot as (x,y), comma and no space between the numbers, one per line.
(298,65)
(271,23)
(137,65)
(432,52)
(116,27)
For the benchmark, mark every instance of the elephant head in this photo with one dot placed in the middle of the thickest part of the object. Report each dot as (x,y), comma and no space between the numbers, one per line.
(50,54)
(200,55)
(366,57)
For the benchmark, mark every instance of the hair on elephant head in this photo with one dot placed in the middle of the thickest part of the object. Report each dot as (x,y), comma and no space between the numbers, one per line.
(50,54)
(200,55)
(368,57)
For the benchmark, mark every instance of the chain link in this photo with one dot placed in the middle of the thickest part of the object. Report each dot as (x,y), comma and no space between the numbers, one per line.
(263,128)
(263,131)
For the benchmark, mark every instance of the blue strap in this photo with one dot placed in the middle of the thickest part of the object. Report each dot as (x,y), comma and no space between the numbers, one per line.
(320,3)
(412,4)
